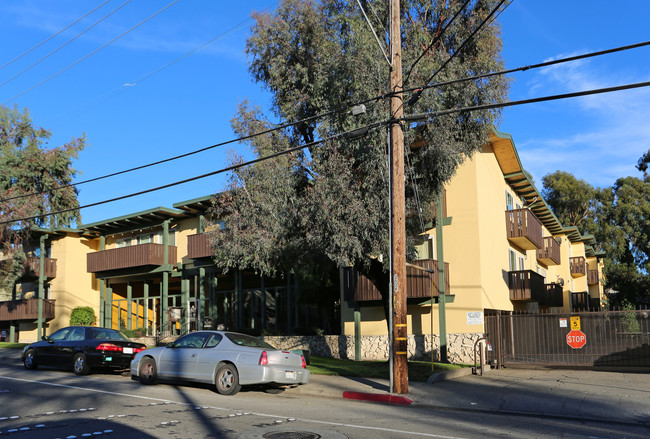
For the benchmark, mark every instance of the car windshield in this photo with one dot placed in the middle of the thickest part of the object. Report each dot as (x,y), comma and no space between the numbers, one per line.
(247,340)
(107,334)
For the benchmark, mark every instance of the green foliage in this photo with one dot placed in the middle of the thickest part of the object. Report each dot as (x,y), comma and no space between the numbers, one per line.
(571,199)
(83,315)
(329,202)
(628,320)
(30,168)
(136,333)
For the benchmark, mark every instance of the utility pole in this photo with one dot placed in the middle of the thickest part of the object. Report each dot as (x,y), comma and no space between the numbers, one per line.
(399,341)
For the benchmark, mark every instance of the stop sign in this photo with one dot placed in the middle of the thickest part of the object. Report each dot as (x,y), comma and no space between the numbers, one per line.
(576,339)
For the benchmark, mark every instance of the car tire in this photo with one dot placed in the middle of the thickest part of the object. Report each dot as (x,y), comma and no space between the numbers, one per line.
(30,360)
(227,380)
(80,365)
(147,372)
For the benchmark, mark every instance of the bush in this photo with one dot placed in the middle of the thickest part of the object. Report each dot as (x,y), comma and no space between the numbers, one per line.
(82,315)
(136,333)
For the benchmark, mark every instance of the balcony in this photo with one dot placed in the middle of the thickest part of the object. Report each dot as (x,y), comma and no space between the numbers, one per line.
(584,302)
(524,229)
(358,288)
(578,266)
(32,268)
(143,255)
(525,285)
(592,277)
(25,310)
(198,246)
(549,254)
(554,296)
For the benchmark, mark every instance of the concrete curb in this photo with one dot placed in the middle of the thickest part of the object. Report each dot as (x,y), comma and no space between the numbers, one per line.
(449,375)
(385,398)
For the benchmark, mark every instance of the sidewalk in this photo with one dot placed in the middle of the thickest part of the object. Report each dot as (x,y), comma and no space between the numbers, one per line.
(612,397)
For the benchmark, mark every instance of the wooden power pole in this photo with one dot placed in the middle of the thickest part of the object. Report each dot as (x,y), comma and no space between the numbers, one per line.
(398,229)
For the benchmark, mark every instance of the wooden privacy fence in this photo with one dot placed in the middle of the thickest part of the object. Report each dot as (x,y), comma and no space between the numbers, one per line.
(619,339)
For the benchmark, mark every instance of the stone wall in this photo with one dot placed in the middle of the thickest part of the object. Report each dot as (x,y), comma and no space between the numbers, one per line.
(459,346)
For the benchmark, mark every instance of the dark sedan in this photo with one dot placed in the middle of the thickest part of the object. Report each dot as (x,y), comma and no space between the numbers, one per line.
(82,348)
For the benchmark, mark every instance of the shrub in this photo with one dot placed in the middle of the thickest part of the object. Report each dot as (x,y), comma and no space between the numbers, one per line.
(82,315)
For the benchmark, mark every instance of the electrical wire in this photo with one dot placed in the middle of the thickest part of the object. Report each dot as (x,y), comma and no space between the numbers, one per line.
(428,116)
(52,36)
(91,53)
(435,40)
(347,134)
(66,43)
(331,112)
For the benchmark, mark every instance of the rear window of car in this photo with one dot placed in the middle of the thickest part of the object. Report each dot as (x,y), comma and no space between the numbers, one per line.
(247,340)
(107,334)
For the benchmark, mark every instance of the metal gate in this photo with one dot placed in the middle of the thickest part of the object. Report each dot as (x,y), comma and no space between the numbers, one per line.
(611,338)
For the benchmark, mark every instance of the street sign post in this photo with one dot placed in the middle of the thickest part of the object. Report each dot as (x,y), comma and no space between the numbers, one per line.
(576,339)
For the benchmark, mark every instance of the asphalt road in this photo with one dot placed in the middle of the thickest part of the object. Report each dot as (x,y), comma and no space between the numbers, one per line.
(48,403)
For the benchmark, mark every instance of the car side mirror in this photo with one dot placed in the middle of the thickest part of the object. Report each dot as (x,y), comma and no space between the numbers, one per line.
(170,344)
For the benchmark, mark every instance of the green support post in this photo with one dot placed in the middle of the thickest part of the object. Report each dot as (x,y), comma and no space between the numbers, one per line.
(129,306)
(165,277)
(200,312)
(441,280)
(102,288)
(41,287)
(145,311)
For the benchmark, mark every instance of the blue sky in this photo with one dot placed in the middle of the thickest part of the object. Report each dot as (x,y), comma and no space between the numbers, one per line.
(133,112)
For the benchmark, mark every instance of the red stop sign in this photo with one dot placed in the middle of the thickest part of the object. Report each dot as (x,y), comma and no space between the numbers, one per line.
(576,339)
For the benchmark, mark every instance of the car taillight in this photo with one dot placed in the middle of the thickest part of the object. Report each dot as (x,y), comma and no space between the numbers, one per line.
(109,347)
(264,359)
(136,350)
(304,363)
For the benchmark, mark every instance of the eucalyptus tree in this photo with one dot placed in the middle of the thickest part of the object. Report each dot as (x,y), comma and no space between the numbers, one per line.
(34,183)
(328,203)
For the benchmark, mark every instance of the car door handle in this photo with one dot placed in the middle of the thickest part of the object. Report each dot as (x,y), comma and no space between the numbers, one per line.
(193,355)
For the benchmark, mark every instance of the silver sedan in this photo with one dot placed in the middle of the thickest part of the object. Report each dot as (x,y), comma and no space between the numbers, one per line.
(228,360)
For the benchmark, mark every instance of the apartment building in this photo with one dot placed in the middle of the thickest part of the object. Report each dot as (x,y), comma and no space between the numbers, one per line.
(503,249)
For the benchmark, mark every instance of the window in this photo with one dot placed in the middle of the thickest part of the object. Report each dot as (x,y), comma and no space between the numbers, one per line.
(171,234)
(513,261)
(145,239)
(522,265)
(124,242)
(214,341)
(509,200)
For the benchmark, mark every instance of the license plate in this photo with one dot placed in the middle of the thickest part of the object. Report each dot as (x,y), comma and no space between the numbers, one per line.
(290,374)
(127,350)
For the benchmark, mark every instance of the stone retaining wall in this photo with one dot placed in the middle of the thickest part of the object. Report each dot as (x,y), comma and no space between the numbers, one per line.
(459,346)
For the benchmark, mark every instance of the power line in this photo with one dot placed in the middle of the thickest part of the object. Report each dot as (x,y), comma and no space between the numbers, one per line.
(429,116)
(348,134)
(52,36)
(91,53)
(66,43)
(331,112)
(435,40)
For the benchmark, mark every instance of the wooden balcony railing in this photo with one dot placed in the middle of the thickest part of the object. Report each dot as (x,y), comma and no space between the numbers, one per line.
(526,285)
(129,257)
(32,268)
(553,297)
(524,229)
(578,266)
(549,254)
(357,287)
(583,302)
(25,310)
(592,277)
(198,246)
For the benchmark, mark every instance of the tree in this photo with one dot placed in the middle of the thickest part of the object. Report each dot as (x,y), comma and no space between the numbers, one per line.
(331,200)
(571,199)
(33,183)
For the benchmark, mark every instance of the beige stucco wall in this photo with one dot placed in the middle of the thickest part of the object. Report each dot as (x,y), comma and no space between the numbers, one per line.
(72,286)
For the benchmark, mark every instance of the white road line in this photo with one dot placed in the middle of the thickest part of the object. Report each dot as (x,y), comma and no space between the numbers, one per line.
(313,421)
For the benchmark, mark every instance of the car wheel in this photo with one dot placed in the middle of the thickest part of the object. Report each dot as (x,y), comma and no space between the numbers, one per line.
(148,373)
(80,365)
(227,380)
(30,360)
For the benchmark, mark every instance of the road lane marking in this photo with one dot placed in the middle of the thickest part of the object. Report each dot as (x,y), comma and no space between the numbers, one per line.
(313,421)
